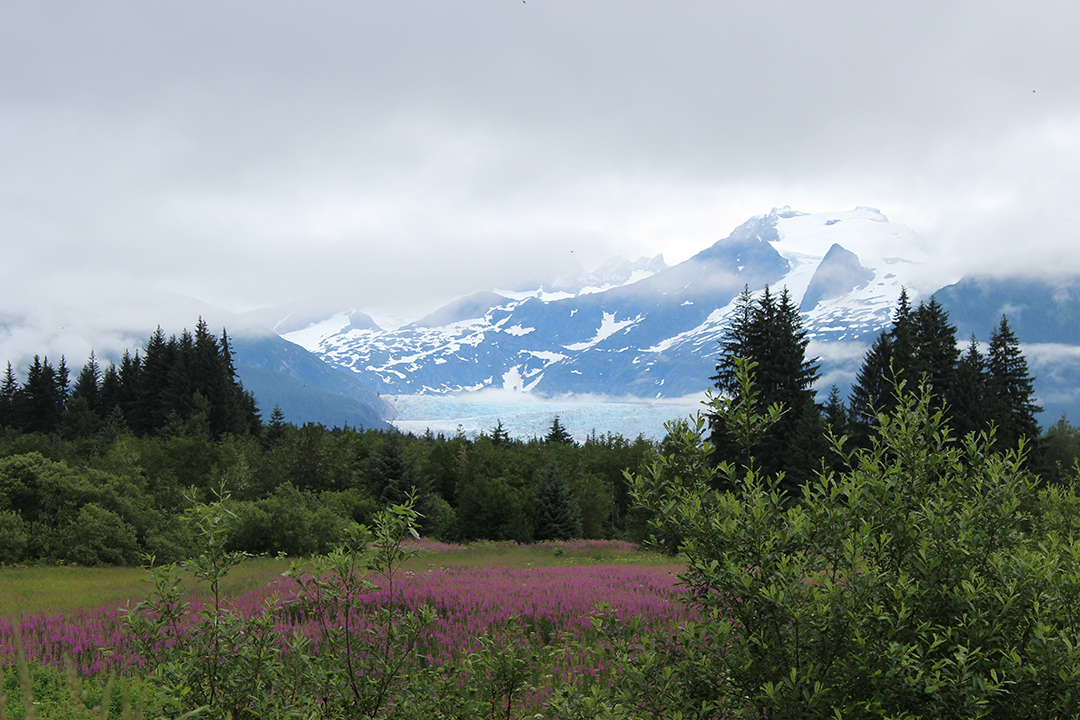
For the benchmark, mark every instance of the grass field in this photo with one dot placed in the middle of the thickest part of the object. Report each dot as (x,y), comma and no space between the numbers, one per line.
(532,599)
(63,589)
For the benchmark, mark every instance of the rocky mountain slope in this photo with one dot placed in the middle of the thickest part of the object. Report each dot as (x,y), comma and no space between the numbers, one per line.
(653,337)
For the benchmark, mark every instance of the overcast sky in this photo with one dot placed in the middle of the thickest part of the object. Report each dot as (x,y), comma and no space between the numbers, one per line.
(254,153)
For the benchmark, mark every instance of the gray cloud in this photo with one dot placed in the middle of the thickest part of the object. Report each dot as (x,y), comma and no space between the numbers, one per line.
(252,153)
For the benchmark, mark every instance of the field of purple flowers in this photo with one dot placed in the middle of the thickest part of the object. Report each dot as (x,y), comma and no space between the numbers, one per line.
(535,606)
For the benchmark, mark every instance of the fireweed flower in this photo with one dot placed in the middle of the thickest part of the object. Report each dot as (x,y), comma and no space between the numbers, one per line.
(538,606)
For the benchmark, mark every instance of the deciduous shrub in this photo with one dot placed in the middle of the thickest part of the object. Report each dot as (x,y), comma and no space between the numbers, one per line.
(98,537)
(13,538)
(930,580)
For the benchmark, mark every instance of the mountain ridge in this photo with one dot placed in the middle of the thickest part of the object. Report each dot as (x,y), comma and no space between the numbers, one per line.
(657,337)
(653,337)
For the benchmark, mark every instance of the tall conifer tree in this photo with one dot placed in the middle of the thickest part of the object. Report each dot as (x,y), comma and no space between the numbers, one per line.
(967,409)
(935,353)
(88,384)
(8,387)
(920,344)
(1010,389)
(769,332)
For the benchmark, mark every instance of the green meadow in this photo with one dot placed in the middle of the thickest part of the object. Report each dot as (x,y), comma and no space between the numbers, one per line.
(32,590)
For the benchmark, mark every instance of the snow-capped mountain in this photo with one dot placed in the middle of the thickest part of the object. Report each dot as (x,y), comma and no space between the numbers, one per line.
(639,329)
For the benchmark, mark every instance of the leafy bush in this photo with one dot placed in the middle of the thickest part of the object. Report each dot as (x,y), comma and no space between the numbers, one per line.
(288,522)
(98,537)
(13,538)
(492,508)
(928,581)
(232,664)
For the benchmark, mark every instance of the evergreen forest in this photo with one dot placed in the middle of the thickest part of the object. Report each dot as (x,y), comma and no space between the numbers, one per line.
(97,470)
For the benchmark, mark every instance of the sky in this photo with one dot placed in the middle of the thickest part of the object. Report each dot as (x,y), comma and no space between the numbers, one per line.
(400,154)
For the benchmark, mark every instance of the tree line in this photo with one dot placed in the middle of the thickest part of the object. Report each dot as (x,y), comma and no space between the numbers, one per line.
(976,392)
(174,385)
(98,471)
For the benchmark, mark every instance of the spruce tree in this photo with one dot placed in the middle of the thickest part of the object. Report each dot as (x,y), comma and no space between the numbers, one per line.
(872,392)
(558,516)
(8,387)
(274,432)
(242,411)
(390,475)
(110,392)
(920,344)
(154,403)
(61,383)
(890,354)
(499,435)
(88,384)
(1010,389)
(769,332)
(967,408)
(39,404)
(128,373)
(835,413)
(557,435)
(935,353)
(737,342)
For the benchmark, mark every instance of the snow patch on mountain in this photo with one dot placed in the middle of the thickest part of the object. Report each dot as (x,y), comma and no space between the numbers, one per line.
(518,331)
(608,327)
(311,337)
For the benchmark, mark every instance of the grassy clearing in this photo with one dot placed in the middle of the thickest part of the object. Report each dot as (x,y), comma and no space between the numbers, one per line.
(63,589)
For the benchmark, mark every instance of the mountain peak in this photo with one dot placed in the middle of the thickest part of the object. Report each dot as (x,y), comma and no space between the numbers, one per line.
(838,274)
(784,212)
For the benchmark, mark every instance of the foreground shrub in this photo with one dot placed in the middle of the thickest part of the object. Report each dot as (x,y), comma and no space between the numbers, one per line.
(921,583)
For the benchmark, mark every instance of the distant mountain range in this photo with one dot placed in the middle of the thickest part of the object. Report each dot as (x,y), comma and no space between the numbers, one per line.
(651,331)
(626,330)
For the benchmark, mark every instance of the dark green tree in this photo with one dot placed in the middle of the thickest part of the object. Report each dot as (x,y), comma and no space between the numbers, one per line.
(275,429)
(935,355)
(79,420)
(967,408)
(1059,452)
(493,509)
(871,392)
(1010,389)
(39,404)
(128,395)
(393,476)
(889,355)
(62,382)
(499,435)
(154,402)
(88,384)
(110,391)
(557,435)
(390,475)
(920,344)
(835,413)
(557,516)
(769,332)
(8,387)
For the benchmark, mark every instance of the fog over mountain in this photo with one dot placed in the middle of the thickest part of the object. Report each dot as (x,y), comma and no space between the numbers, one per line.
(388,159)
(620,349)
